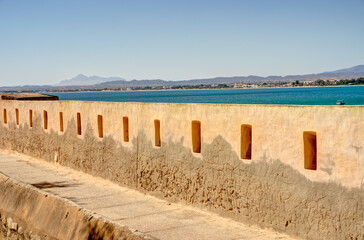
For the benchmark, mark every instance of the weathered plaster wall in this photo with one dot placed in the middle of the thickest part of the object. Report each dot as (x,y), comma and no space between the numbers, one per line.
(272,189)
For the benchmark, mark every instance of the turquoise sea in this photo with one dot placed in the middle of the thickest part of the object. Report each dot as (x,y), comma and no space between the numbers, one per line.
(352,95)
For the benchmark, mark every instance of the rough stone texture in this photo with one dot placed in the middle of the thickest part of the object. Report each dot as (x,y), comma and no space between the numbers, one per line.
(27,213)
(158,218)
(268,191)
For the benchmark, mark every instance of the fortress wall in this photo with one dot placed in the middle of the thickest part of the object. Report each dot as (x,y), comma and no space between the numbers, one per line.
(272,189)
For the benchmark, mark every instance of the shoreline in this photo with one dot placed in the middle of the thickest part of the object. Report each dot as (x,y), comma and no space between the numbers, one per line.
(162,90)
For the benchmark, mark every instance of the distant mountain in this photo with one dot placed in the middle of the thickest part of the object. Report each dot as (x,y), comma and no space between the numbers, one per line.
(353,72)
(82,80)
(356,69)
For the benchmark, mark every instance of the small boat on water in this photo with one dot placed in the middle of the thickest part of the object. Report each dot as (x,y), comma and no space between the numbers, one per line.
(340,102)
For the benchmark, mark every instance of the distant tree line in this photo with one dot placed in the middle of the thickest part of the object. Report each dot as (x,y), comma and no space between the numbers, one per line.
(353,81)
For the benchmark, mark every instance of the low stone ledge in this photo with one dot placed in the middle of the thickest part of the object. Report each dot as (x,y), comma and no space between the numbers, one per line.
(29,213)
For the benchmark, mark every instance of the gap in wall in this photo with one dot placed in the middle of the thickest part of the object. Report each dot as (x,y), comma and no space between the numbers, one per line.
(17,116)
(45,119)
(5,116)
(61,128)
(310,150)
(246,141)
(157,132)
(100,126)
(30,118)
(126,129)
(196,136)
(79,127)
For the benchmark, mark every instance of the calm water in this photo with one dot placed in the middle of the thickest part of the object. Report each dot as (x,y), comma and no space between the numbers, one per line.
(300,96)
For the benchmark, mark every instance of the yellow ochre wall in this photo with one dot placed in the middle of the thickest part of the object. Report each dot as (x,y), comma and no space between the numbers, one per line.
(277,129)
(277,156)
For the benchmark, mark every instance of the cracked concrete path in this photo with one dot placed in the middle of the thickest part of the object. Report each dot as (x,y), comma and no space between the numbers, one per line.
(152,216)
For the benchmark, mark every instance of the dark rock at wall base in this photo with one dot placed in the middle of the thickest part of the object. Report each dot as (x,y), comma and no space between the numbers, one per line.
(29,97)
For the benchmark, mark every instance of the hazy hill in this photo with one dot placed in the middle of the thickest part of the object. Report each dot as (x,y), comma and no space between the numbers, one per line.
(356,69)
(81,80)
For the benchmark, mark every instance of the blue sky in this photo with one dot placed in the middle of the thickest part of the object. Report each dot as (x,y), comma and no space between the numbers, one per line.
(44,42)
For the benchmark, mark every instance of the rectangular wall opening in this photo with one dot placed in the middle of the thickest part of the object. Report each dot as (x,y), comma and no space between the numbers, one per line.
(5,116)
(100,126)
(310,150)
(30,118)
(126,129)
(79,127)
(61,129)
(246,141)
(45,119)
(196,136)
(157,132)
(17,116)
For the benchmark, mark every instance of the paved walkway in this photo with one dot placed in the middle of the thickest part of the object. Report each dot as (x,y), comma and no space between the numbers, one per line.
(150,215)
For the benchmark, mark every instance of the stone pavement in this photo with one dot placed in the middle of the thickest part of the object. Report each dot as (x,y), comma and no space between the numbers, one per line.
(152,216)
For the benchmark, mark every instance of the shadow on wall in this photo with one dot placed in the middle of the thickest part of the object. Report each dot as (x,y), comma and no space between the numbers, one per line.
(265,192)
(101,157)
